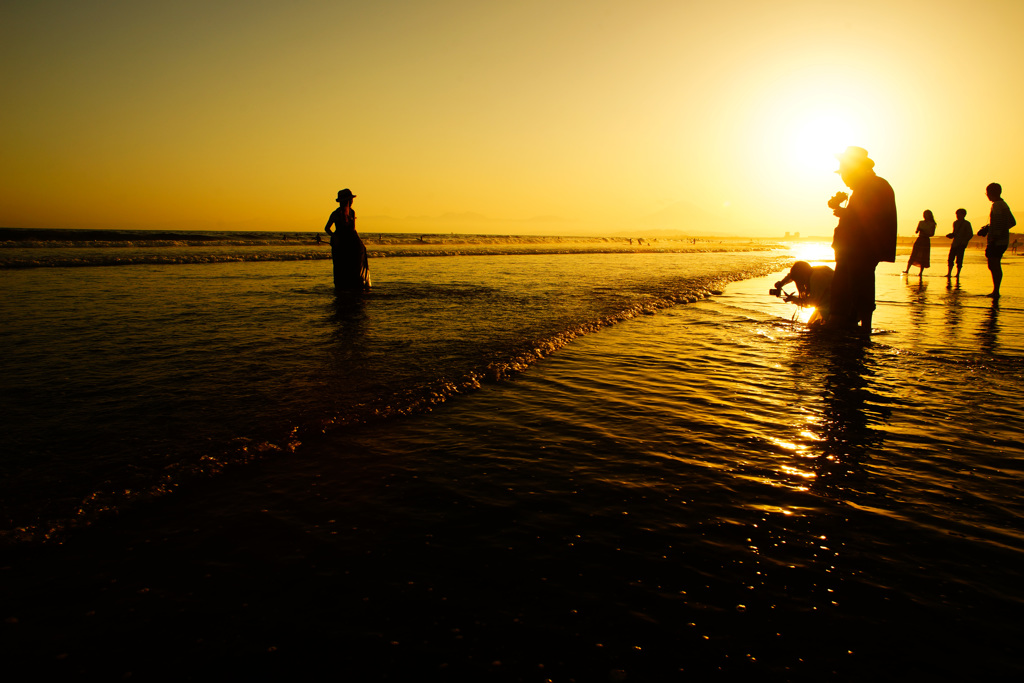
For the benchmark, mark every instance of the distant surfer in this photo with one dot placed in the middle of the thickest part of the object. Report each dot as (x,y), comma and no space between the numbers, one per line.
(351,268)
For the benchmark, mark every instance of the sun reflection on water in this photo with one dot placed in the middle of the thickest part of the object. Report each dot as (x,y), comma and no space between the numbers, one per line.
(786,445)
(789,469)
(815,253)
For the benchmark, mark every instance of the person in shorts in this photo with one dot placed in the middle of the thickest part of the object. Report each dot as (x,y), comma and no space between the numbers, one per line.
(961,236)
(998,233)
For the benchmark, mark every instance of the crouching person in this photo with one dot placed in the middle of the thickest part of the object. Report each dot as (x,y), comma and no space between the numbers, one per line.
(814,289)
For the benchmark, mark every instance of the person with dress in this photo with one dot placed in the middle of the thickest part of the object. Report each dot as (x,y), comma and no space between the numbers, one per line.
(961,236)
(351,268)
(921,254)
(998,233)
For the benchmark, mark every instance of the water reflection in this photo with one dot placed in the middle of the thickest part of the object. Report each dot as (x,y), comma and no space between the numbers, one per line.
(954,307)
(918,299)
(349,357)
(347,312)
(846,429)
(988,332)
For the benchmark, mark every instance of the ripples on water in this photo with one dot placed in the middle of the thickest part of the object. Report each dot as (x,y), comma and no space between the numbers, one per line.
(715,491)
(120,380)
(704,492)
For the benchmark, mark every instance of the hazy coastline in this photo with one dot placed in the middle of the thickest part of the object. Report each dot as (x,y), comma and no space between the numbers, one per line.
(33,248)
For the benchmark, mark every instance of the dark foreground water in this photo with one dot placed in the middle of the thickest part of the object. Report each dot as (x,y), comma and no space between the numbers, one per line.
(246,478)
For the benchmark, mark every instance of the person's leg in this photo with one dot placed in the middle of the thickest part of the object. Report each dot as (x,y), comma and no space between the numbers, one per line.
(995,265)
(995,257)
(865,322)
(866,296)
(840,299)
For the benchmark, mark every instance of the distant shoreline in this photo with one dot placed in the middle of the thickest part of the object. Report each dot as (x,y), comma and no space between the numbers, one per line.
(383,244)
(94,235)
(140,235)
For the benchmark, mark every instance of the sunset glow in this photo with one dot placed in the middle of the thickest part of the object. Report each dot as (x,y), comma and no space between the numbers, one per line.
(813,140)
(556,118)
(814,253)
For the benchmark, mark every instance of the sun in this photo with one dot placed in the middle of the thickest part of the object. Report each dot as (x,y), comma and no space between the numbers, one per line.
(814,138)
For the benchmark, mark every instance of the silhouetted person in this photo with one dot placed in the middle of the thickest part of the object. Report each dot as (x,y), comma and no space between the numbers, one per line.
(351,269)
(865,236)
(814,288)
(921,254)
(998,232)
(961,236)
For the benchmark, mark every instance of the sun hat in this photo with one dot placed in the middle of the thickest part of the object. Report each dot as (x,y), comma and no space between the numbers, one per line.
(854,157)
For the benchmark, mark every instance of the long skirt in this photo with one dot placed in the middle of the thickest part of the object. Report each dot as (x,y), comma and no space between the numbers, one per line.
(922,253)
(351,267)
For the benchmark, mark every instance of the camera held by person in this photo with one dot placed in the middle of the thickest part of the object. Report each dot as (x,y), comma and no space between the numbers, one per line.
(788,297)
(836,203)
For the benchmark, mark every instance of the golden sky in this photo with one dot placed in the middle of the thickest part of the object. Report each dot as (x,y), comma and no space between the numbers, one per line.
(548,116)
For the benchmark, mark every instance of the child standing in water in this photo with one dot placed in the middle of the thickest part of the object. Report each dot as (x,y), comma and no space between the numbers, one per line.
(961,236)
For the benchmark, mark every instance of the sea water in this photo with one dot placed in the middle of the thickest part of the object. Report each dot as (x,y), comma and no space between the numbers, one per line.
(120,381)
(626,466)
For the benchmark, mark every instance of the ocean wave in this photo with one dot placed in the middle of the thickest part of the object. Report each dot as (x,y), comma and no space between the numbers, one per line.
(72,260)
(61,255)
(531,351)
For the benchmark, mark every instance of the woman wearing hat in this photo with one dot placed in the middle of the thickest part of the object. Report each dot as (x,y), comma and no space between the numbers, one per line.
(351,269)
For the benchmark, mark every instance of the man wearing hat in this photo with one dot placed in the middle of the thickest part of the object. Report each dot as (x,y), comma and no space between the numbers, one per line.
(865,236)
